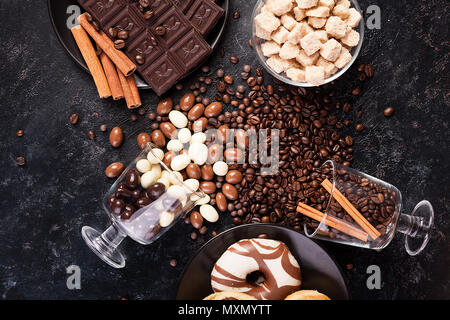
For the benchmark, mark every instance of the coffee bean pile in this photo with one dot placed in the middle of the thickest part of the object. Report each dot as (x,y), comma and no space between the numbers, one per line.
(374,201)
(309,135)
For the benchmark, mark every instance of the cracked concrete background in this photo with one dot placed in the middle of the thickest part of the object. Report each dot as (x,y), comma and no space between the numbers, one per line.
(45,204)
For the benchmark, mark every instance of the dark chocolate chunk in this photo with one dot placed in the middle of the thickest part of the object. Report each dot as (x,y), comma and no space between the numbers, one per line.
(204,14)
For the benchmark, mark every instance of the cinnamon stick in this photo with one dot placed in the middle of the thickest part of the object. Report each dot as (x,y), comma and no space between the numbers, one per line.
(134,91)
(112,77)
(122,62)
(332,222)
(129,91)
(92,61)
(351,210)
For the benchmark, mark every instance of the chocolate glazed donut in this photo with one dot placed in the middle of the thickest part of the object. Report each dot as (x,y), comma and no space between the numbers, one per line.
(271,257)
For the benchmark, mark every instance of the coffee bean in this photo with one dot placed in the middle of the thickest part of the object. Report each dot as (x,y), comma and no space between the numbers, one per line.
(203,230)
(140,59)
(359,127)
(123,34)
(20,161)
(73,119)
(228,79)
(236,15)
(234,59)
(103,128)
(220,73)
(193,235)
(356,91)
(119,44)
(91,134)
(369,70)
(19,133)
(173,262)
(389,111)
(148,14)
(160,30)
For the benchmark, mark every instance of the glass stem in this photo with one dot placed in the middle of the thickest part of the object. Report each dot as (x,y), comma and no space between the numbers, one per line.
(112,237)
(413,226)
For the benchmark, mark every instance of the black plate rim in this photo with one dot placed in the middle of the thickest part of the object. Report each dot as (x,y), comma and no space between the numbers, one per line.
(146,86)
(276,226)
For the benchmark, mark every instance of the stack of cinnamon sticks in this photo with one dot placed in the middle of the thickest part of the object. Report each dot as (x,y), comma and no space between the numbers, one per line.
(112,70)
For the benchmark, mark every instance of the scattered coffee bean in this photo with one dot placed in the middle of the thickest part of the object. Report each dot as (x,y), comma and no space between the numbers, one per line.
(160,30)
(369,70)
(203,230)
(359,127)
(228,79)
(91,135)
(236,15)
(389,111)
(234,59)
(356,91)
(119,44)
(103,128)
(173,262)
(73,119)
(19,133)
(20,161)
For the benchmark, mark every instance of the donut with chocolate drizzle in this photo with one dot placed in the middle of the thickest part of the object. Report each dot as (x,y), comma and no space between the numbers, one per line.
(271,258)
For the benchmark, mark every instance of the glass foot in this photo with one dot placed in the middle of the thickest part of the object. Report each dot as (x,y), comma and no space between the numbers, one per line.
(419,234)
(103,248)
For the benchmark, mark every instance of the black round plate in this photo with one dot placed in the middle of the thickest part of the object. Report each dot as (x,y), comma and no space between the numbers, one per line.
(61,12)
(319,270)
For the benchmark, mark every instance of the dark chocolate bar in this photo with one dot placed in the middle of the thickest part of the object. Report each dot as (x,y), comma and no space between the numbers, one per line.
(163,42)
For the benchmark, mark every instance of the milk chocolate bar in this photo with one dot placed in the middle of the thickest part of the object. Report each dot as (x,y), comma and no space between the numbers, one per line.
(163,42)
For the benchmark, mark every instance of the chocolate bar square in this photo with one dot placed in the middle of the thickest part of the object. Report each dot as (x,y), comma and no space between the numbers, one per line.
(204,14)
(175,24)
(190,50)
(129,20)
(183,5)
(103,10)
(147,47)
(162,74)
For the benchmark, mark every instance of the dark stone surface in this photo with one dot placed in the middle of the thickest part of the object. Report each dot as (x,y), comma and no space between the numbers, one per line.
(45,204)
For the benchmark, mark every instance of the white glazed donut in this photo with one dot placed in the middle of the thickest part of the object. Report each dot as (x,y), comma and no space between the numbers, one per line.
(272,258)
